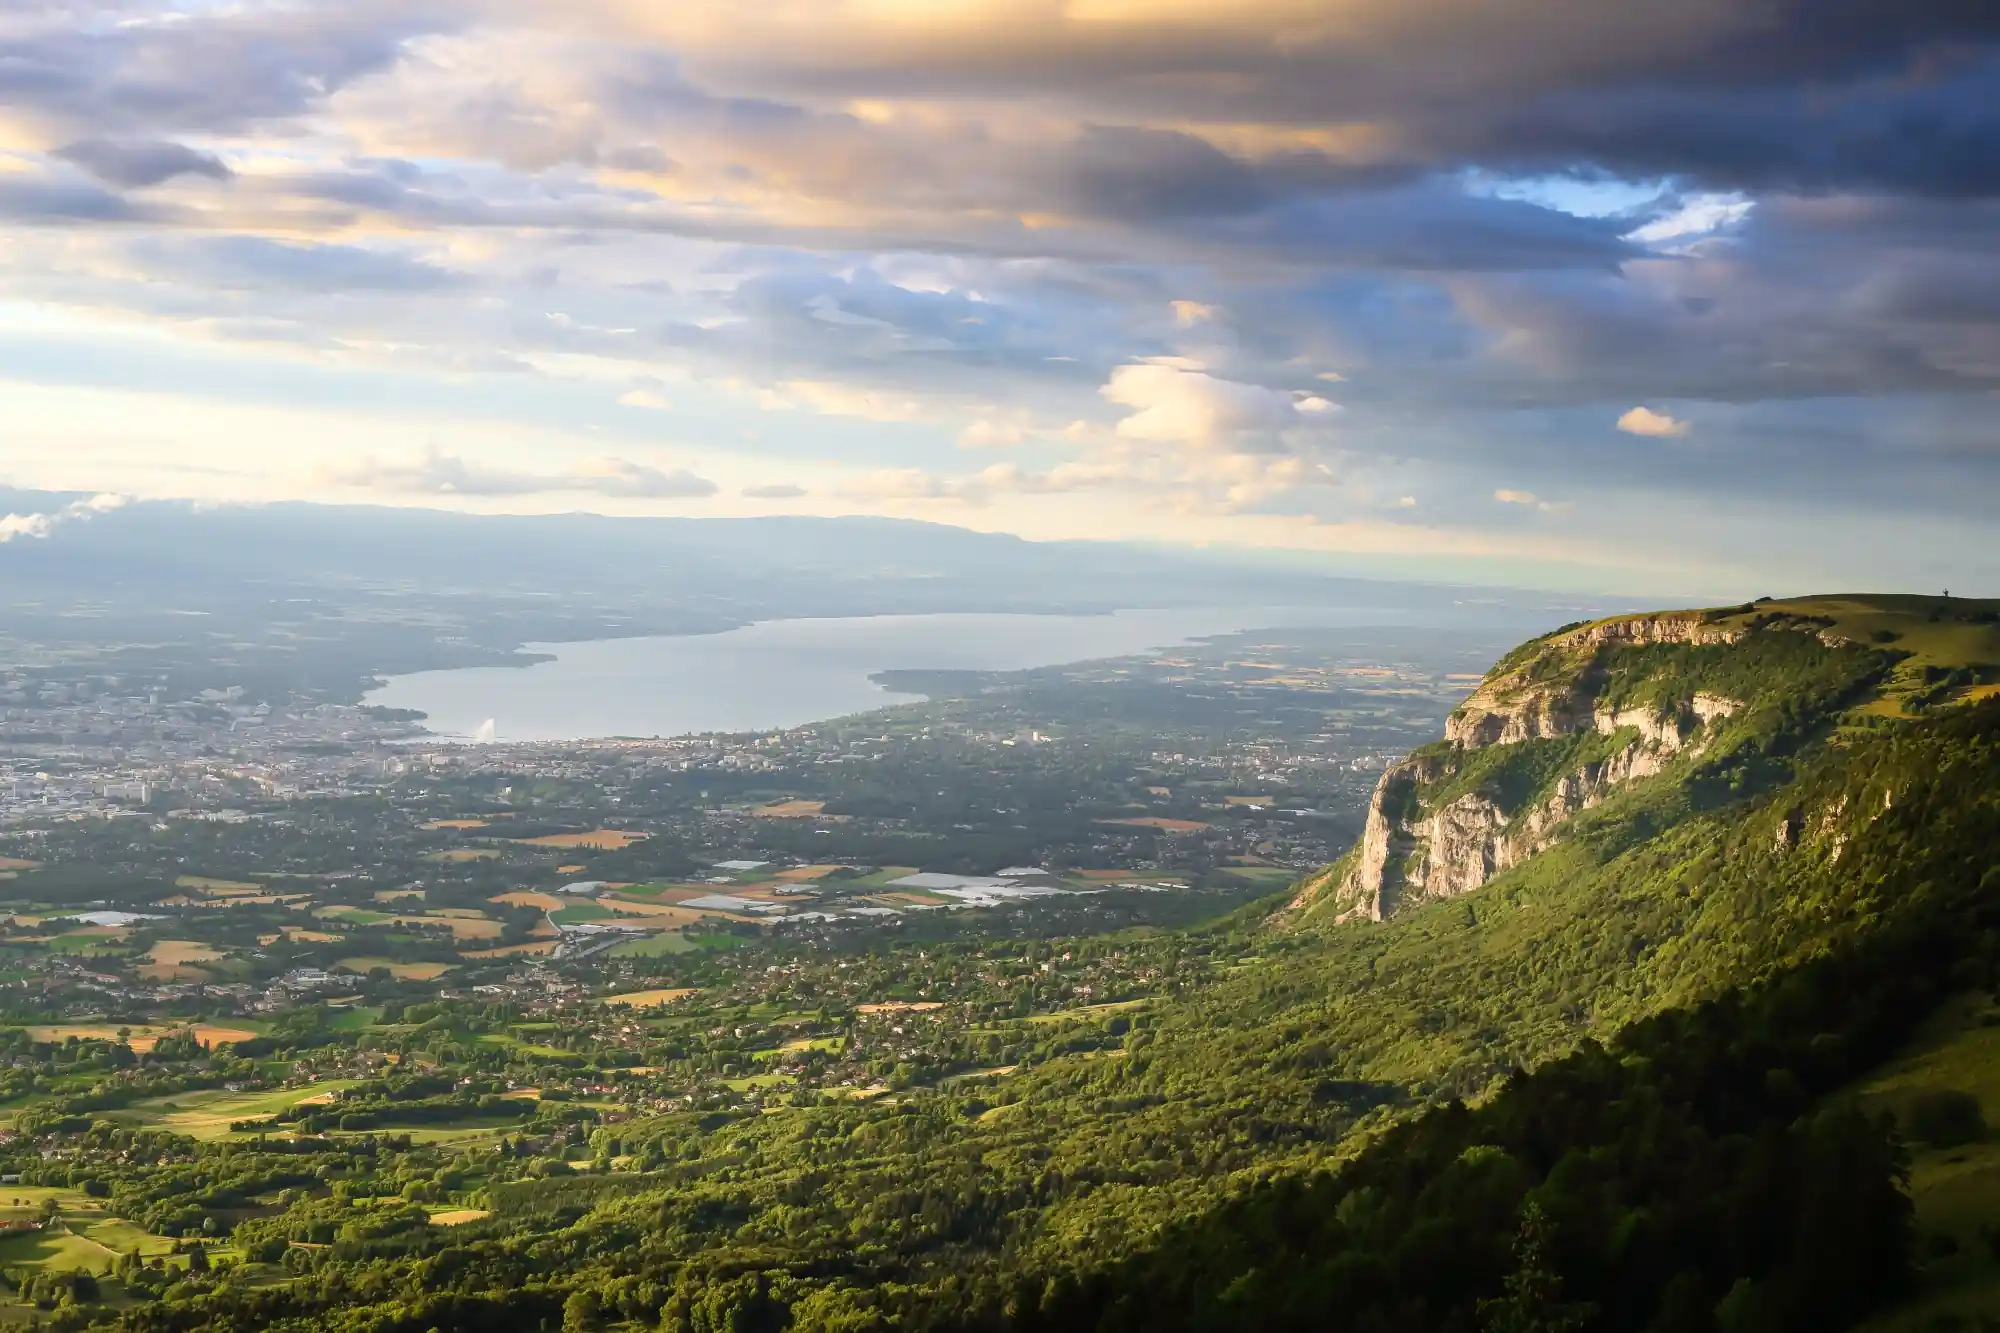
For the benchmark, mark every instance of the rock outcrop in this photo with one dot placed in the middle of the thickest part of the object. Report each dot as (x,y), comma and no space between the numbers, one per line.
(1413,851)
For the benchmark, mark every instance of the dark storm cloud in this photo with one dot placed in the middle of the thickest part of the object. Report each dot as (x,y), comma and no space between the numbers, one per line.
(1432,226)
(1817,40)
(1936,137)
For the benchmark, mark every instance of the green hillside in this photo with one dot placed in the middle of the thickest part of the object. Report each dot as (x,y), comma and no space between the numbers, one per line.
(1705,876)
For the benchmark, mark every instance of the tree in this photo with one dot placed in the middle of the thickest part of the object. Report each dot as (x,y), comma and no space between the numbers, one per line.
(1533,1303)
(581,1312)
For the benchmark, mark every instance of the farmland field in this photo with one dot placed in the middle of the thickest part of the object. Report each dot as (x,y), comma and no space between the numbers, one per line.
(400,971)
(883,876)
(575,913)
(546,902)
(142,1037)
(657,946)
(649,999)
(217,886)
(807,874)
(635,907)
(63,1250)
(208,1114)
(601,840)
(461,927)
(454,1217)
(512,950)
(360,916)
(175,960)
(183,951)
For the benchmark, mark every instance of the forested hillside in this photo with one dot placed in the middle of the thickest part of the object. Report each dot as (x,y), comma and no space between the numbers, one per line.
(1566,1043)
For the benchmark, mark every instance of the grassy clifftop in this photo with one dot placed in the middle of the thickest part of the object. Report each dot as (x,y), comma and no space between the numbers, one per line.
(1719,705)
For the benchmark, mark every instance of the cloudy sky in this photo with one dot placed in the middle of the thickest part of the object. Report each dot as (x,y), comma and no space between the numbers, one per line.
(1687,296)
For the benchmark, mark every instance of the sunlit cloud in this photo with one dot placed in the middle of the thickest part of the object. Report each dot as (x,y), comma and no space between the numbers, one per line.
(1645,421)
(1126,249)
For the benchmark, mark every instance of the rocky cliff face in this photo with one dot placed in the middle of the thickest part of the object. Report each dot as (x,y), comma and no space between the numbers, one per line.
(1414,850)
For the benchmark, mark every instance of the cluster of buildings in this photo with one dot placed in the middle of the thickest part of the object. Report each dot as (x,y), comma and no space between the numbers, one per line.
(103,747)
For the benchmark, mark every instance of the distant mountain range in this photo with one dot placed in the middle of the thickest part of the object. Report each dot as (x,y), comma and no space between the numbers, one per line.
(731,569)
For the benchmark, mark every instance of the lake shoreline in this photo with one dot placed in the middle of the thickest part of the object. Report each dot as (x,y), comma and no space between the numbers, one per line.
(786,672)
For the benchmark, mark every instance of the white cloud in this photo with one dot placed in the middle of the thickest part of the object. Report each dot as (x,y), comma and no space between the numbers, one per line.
(1173,403)
(646,398)
(1700,216)
(1187,314)
(910,483)
(987,434)
(41,525)
(439,473)
(623,478)
(777,490)
(833,399)
(1529,500)
(1645,421)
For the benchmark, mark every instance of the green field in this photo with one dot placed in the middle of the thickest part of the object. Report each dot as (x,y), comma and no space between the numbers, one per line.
(577,913)
(655,946)
(1089,1011)
(526,1047)
(1270,877)
(19,1201)
(451,1132)
(1903,625)
(885,875)
(61,1250)
(122,1237)
(360,916)
(208,1114)
(353,1018)
(86,1237)
(797,1047)
(91,946)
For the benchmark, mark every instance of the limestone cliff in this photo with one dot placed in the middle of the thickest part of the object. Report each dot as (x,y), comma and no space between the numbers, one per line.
(1450,818)
(1659,715)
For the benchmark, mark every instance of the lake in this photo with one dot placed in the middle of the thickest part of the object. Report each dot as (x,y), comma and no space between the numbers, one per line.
(785,673)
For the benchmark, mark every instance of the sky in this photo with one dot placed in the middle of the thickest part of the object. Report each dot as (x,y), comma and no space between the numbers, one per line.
(1699,296)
